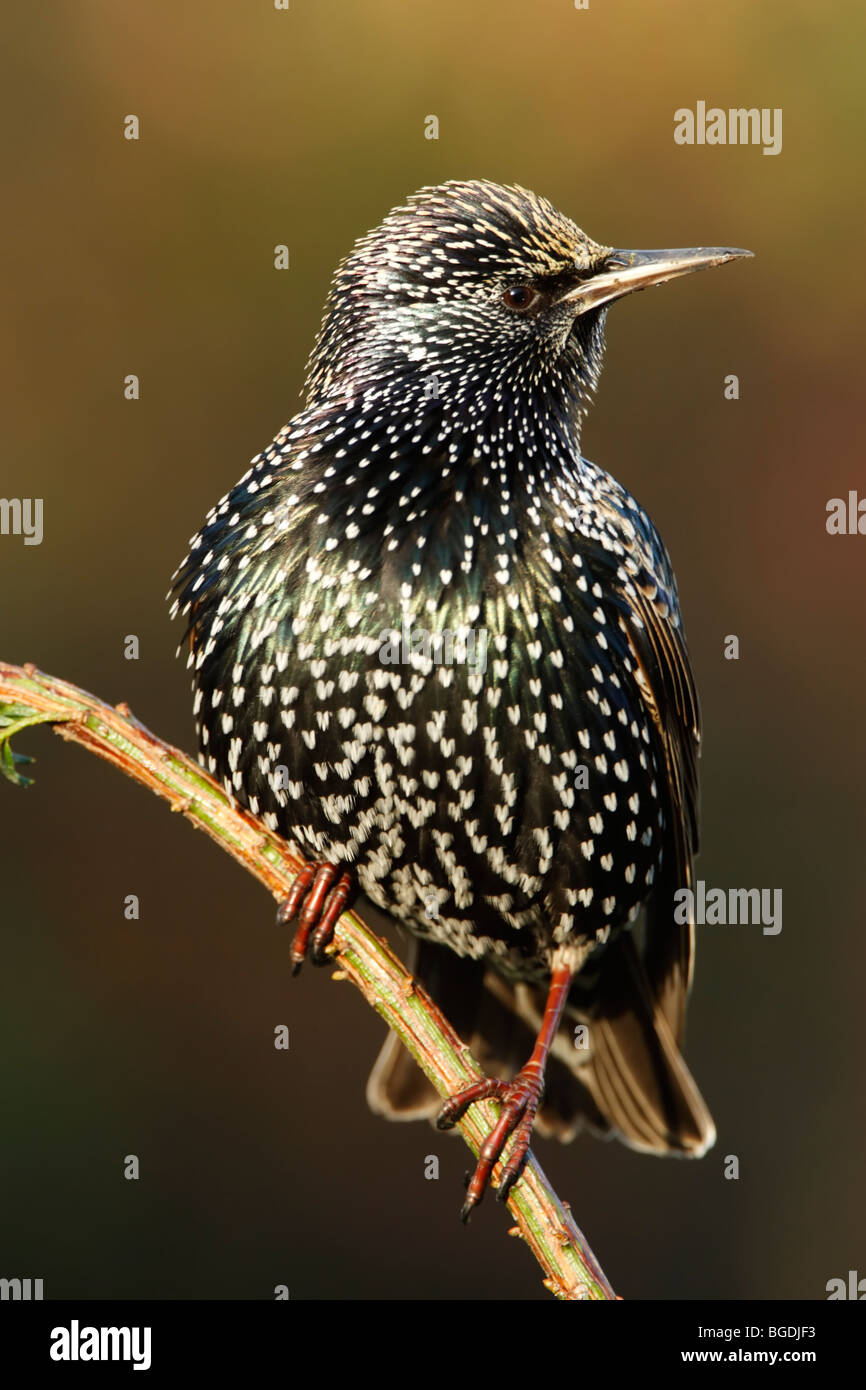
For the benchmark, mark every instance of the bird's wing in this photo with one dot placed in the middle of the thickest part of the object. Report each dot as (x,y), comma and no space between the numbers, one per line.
(636,574)
(664,674)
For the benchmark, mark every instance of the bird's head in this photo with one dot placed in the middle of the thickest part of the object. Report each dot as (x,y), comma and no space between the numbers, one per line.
(473,294)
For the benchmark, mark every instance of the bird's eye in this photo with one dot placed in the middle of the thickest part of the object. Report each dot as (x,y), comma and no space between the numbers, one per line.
(520,298)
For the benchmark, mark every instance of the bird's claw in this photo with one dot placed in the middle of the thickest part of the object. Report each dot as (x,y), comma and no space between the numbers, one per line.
(519,1100)
(319,901)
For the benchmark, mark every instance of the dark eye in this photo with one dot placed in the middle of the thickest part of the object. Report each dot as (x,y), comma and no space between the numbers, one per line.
(520,298)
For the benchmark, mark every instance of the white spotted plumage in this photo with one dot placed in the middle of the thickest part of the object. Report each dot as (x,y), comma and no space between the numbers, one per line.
(388,505)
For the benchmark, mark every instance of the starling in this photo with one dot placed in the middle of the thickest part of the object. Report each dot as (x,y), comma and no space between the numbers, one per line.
(441,653)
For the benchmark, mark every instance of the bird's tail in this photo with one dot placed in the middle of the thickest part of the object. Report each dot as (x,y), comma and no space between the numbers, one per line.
(614,1068)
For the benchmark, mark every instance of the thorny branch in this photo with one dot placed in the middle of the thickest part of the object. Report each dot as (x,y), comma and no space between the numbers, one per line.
(29,697)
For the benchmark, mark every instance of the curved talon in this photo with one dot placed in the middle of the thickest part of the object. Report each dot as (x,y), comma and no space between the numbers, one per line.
(289,907)
(519,1100)
(456,1106)
(517,1162)
(320,904)
(331,911)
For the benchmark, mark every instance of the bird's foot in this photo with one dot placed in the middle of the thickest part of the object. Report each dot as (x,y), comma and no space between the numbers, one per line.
(519,1100)
(319,901)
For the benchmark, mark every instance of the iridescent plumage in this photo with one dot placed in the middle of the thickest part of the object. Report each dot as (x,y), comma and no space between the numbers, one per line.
(435,646)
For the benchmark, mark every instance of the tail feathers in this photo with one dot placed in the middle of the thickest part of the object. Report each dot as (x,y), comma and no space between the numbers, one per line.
(637,1075)
(630,1081)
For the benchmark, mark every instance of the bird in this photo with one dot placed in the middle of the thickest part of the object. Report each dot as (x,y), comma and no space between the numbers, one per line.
(441,654)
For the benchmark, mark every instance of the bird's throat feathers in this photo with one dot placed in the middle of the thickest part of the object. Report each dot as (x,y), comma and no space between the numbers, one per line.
(515,407)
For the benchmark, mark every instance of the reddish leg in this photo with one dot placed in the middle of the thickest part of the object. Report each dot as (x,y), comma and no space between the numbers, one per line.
(519,1100)
(322,905)
(332,907)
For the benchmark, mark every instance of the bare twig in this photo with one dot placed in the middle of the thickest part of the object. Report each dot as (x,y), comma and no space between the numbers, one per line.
(29,697)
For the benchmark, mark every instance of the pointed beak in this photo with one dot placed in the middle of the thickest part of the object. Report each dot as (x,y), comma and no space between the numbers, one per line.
(623,272)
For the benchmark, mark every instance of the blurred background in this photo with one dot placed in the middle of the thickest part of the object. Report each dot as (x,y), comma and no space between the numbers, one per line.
(155,257)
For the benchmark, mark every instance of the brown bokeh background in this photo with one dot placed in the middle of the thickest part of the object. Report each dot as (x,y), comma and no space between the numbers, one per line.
(155,1037)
